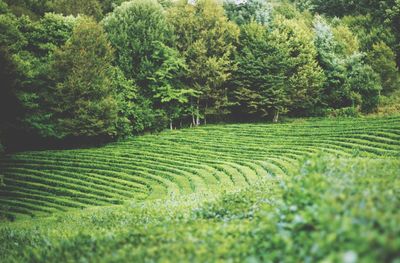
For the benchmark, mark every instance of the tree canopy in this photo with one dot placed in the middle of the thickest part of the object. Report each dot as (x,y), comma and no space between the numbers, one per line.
(115,68)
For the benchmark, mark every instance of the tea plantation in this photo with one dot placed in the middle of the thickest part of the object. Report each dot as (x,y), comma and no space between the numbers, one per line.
(303,191)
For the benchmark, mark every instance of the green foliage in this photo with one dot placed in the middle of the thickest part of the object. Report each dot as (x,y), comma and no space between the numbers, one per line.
(277,71)
(350,81)
(205,38)
(389,105)
(369,31)
(75,7)
(177,61)
(32,8)
(82,99)
(3,7)
(381,59)
(146,118)
(125,94)
(342,113)
(167,83)
(296,204)
(244,12)
(260,78)
(33,60)
(138,31)
(369,19)
(10,108)
(364,81)
(347,42)
(109,5)
(11,37)
(133,29)
(46,35)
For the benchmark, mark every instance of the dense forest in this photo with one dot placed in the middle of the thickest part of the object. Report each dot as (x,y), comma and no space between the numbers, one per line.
(97,70)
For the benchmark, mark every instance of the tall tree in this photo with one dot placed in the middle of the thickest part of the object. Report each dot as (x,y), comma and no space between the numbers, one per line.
(336,91)
(350,82)
(133,29)
(206,39)
(10,108)
(364,81)
(381,58)
(42,37)
(260,76)
(167,83)
(82,100)
(136,30)
(277,70)
(11,42)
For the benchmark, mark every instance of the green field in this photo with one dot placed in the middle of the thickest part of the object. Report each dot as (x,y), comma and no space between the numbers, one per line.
(302,191)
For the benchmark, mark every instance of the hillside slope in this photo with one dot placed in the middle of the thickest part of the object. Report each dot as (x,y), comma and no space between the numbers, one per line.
(212,158)
(306,191)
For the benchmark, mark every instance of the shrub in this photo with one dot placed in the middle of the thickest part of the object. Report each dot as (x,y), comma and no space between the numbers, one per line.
(343,112)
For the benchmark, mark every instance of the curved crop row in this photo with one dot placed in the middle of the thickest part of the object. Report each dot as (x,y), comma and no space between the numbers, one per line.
(211,158)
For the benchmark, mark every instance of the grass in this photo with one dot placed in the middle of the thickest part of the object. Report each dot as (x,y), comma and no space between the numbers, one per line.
(305,191)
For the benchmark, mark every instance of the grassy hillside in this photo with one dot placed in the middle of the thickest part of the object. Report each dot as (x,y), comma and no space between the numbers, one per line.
(309,190)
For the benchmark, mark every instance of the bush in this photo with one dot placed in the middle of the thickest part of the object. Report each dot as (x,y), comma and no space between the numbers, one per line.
(146,118)
(389,105)
(343,112)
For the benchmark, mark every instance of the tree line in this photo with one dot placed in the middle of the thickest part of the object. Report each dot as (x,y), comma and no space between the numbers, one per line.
(78,70)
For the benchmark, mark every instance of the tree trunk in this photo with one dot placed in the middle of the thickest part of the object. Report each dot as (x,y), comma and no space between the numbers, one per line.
(193,119)
(205,113)
(276,116)
(198,113)
(170,125)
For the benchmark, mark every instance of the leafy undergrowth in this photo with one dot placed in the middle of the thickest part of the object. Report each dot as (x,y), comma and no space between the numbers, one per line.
(389,105)
(329,209)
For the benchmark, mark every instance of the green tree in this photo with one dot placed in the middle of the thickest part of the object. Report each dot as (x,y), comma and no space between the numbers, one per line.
(206,39)
(277,70)
(136,30)
(11,42)
(350,81)
(76,7)
(347,42)
(133,28)
(260,76)
(364,81)
(244,12)
(381,58)
(10,109)
(305,77)
(369,31)
(82,100)
(336,92)
(33,61)
(125,94)
(369,19)
(109,5)
(10,35)
(32,8)
(167,83)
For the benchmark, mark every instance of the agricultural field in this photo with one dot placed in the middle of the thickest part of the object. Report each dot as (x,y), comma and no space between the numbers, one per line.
(306,190)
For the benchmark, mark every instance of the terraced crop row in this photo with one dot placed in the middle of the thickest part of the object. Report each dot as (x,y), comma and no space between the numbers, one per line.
(211,158)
